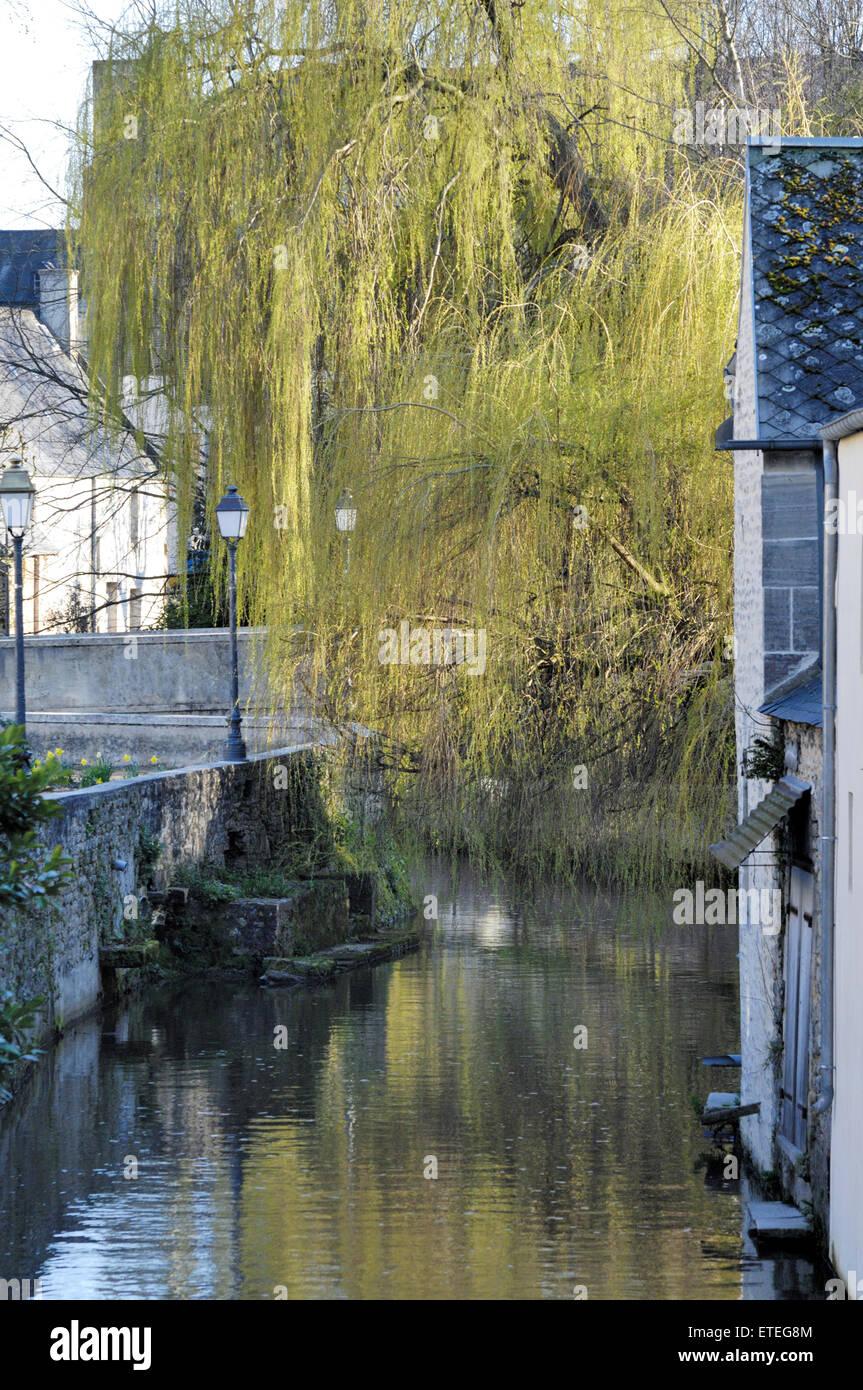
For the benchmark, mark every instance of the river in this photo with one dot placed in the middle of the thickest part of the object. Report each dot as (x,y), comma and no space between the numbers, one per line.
(508,1113)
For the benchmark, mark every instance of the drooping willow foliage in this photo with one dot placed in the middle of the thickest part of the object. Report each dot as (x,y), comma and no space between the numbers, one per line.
(449,257)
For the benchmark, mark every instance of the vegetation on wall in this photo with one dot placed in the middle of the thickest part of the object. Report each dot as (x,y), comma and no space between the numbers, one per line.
(28,876)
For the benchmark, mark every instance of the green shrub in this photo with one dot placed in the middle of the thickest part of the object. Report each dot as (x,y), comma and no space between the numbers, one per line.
(17,1020)
(765,759)
(28,873)
(205,883)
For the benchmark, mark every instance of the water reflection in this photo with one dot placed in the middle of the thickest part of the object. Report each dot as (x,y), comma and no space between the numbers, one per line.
(301,1170)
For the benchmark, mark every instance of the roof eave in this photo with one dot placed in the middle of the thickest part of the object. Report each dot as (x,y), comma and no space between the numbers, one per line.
(849,423)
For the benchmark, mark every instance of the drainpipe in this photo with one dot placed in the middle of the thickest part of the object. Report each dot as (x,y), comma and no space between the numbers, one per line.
(828,802)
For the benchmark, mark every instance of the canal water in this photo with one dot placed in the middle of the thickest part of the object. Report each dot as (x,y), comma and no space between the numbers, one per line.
(221,1141)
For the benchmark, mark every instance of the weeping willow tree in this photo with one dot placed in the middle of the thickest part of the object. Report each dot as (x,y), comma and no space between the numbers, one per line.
(450,258)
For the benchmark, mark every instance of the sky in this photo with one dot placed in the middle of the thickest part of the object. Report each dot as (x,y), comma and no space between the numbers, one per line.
(45,56)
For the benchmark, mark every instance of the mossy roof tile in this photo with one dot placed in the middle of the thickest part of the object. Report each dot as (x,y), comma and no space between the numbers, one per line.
(806,231)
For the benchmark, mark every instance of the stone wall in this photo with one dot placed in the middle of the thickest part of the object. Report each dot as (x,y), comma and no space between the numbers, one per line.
(235,814)
(748,467)
(758,952)
(175,740)
(790,510)
(112,673)
(762,990)
(148,694)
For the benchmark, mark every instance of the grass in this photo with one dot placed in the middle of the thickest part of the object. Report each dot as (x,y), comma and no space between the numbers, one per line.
(212,883)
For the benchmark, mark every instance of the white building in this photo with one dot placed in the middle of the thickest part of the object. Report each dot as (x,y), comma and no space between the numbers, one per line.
(844,526)
(797,379)
(102,547)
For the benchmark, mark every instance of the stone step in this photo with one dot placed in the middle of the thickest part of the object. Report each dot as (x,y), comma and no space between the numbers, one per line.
(324,965)
(283,969)
(316,913)
(720,1100)
(128,955)
(777,1221)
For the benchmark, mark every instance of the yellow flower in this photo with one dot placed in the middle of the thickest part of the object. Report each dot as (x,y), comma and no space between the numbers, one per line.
(126,758)
(154,759)
(37,763)
(99,781)
(58,752)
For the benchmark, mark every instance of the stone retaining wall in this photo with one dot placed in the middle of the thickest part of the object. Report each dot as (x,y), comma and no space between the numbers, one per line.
(227,813)
(175,740)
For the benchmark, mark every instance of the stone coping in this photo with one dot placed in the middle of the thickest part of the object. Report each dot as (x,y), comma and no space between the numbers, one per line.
(169,637)
(262,719)
(145,779)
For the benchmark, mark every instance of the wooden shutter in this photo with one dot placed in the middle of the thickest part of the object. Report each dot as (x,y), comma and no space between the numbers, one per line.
(798,971)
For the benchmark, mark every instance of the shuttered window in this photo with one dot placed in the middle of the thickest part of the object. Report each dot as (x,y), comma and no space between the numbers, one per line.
(798,971)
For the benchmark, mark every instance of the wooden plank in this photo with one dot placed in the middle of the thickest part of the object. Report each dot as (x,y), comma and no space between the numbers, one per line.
(728,1114)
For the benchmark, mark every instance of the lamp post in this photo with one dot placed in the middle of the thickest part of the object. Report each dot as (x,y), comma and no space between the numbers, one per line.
(16,498)
(346,520)
(232,515)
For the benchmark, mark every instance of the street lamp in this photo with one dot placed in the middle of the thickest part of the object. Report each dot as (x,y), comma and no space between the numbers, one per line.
(232,515)
(346,520)
(16,498)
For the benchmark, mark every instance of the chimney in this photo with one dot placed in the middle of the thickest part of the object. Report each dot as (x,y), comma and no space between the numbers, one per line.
(58,305)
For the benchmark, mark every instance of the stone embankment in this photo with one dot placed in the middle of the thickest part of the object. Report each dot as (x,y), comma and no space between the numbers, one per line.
(141,851)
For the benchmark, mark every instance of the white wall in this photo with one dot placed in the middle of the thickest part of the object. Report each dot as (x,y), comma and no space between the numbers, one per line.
(846,1186)
(43,410)
(61,531)
(760,959)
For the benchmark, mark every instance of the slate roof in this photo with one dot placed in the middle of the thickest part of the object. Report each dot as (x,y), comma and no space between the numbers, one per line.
(803,704)
(22,255)
(805,209)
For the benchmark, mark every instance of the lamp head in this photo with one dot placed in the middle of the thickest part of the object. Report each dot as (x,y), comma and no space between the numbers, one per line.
(346,512)
(232,514)
(16,497)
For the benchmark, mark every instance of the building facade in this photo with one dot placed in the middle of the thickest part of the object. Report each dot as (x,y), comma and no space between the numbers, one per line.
(797,370)
(102,546)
